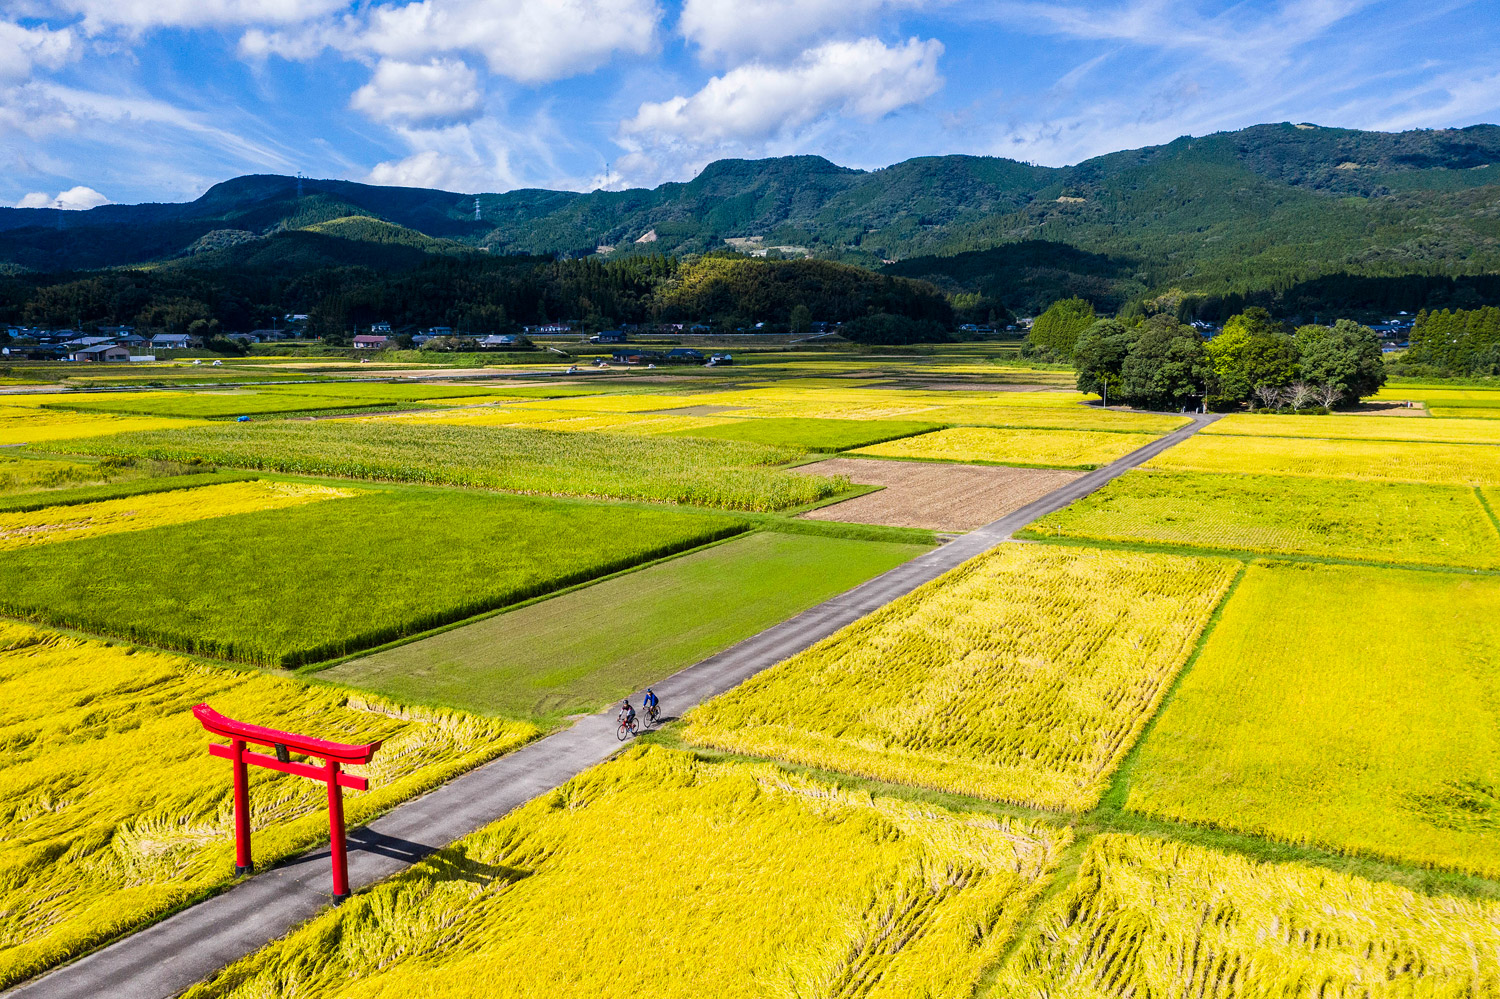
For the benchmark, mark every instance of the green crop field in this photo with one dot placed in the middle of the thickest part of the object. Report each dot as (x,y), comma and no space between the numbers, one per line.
(811,434)
(1353,708)
(1027,448)
(1392,522)
(688,880)
(725,474)
(1381,461)
(1023,675)
(297,585)
(576,652)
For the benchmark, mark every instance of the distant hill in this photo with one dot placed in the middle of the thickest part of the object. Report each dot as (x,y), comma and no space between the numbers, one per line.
(1264,207)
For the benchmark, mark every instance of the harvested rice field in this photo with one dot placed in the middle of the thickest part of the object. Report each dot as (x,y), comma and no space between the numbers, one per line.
(1353,708)
(702,879)
(1152,917)
(1024,675)
(1024,448)
(113,812)
(937,496)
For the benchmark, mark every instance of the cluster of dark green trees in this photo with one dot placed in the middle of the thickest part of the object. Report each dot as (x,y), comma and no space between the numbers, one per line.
(1463,342)
(470,291)
(1158,362)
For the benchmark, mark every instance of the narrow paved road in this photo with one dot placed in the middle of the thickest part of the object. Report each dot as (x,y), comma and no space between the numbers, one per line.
(164,959)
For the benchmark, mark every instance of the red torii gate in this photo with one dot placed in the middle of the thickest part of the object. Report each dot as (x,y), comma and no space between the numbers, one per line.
(334,754)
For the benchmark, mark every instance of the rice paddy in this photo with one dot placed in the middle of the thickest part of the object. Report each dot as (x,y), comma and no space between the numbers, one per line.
(1153,917)
(321,580)
(812,435)
(1023,675)
(114,814)
(1025,448)
(32,425)
(1390,522)
(1347,707)
(1356,428)
(23,529)
(627,872)
(1375,461)
(724,474)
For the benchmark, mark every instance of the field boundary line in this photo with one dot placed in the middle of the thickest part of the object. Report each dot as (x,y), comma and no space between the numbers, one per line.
(162,959)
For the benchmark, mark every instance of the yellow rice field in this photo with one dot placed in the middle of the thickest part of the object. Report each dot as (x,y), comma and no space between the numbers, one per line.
(1348,707)
(140,513)
(1023,675)
(1374,461)
(1147,917)
(1358,428)
(995,446)
(661,874)
(113,812)
(28,425)
(984,413)
(1399,522)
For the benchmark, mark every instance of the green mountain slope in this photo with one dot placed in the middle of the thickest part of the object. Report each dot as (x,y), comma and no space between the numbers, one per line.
(1261,208)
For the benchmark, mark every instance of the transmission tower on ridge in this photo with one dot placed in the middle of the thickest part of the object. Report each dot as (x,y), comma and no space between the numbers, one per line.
(299,185)
(476,208)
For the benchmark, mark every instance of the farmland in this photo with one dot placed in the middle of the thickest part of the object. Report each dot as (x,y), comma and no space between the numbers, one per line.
(1286,515)
(725,474)
(817,892)
(1025,448)
(23,529)
(1023,676)
(940,496)
(812,435)
(111,823)
(1356,428)
(1375,461)
(1225,726)
(1378,740)
(415,558)
(1150,917)
(31,425)
(571,654)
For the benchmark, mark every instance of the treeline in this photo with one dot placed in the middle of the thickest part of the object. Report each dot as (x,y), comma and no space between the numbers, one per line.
(474,292)
(1464,342)
(1161,363)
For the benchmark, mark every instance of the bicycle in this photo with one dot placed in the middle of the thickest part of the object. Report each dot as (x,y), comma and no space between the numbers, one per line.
(627,729)
(653,713)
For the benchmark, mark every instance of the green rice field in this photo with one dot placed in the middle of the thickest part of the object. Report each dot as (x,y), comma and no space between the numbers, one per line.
(577,652)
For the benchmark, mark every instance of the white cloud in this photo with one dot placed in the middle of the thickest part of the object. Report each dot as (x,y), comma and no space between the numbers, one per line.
(100,15)
(23,48)
(755,102)
(438,92)
(479,156)
(531,41)
(775,27)
(73,199)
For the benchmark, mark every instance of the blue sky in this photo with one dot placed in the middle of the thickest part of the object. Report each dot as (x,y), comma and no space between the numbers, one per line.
(156,100)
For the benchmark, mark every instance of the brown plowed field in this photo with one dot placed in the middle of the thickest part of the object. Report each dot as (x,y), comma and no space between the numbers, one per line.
(942,497)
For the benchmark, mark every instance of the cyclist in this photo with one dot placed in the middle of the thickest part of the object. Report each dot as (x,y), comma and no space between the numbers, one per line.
(627,714)
(651,703)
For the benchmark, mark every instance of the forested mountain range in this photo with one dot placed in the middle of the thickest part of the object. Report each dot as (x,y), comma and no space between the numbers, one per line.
(1268,209)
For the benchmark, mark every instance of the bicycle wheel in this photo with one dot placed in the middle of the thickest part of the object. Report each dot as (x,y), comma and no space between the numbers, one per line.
(623,732)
